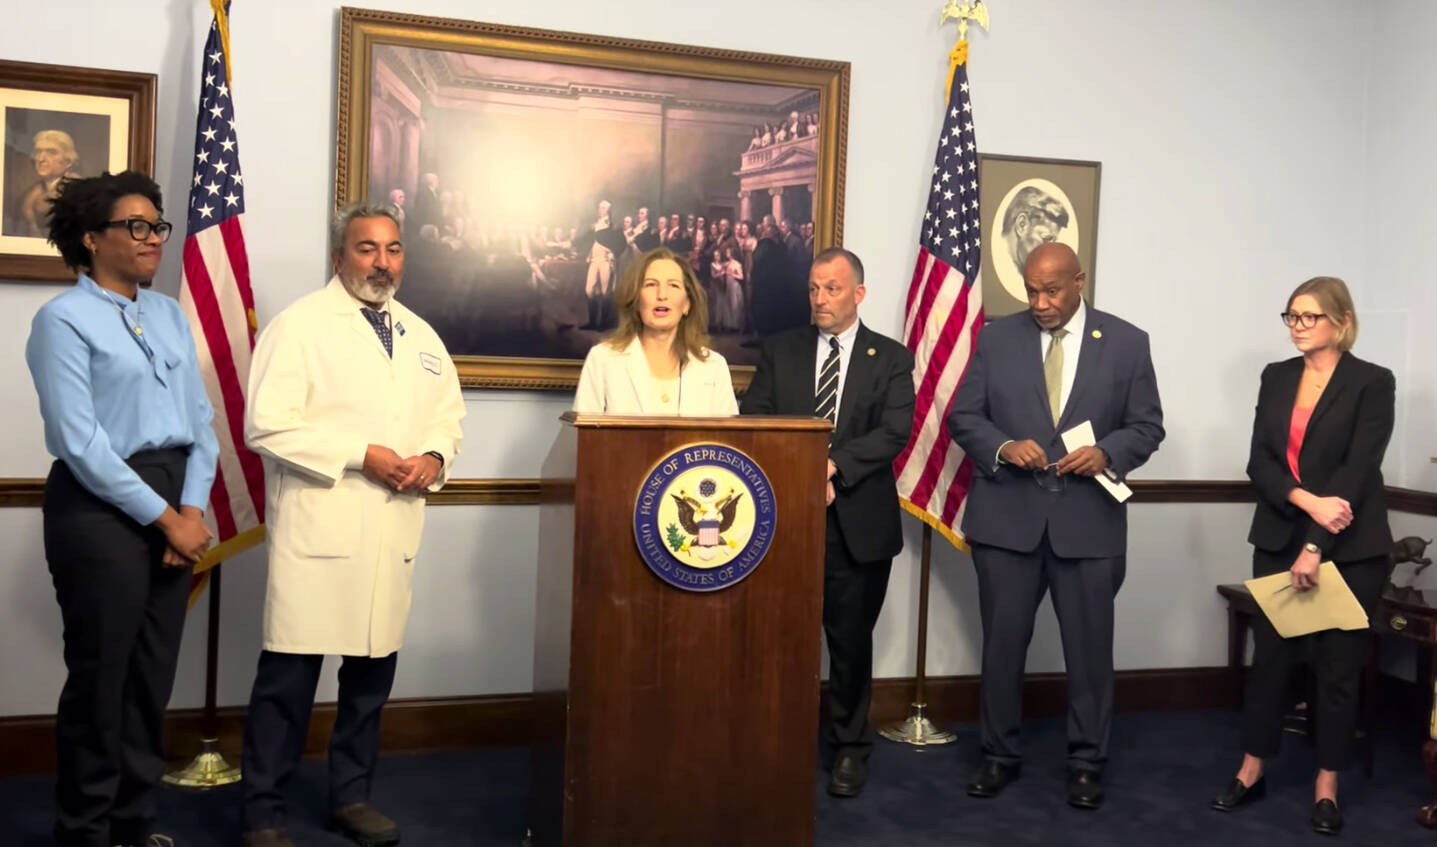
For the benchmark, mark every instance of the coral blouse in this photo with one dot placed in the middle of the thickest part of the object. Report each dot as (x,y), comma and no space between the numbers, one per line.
(1296,430)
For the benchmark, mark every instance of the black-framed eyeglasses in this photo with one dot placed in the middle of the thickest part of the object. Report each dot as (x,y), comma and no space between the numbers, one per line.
(140,228)
(1049,479)
(1306,320)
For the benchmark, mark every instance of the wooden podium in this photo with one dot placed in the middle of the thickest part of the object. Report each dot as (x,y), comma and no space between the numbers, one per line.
(669,717)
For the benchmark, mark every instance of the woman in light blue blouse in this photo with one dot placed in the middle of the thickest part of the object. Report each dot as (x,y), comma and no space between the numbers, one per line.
(128,422)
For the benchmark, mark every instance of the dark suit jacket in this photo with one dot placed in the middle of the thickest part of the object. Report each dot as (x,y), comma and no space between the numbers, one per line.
(646,240)
(1003,398)
(875,416)
(426,209)
(1341,456)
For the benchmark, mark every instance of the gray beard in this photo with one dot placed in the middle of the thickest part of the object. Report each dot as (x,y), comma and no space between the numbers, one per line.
(370,292)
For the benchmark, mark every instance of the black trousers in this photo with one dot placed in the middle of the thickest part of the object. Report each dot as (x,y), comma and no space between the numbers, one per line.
(853,595)
(1337,658)
(1010,587)
(123,613)
(278,721)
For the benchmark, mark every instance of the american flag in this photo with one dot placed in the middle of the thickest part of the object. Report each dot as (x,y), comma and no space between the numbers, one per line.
(216,297)
(942,320)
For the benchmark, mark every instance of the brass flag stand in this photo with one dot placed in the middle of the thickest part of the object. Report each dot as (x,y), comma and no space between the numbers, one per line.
(209,769)
(917,729)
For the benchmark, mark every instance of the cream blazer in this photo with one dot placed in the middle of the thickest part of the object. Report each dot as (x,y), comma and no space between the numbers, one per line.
(342,548)
(613,383)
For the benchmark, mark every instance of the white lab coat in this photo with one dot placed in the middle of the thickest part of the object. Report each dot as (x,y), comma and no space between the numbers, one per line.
(342,548)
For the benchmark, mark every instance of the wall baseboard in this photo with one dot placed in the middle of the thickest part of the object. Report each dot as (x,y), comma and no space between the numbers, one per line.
(459,723)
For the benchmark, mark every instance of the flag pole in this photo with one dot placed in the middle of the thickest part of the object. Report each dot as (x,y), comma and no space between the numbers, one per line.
(209,769)
(917,729)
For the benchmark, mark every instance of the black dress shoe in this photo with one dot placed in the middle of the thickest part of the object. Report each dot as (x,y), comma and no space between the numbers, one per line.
(1326,818)
(848,776)
(992,778)
(1238,795)
(1085,789)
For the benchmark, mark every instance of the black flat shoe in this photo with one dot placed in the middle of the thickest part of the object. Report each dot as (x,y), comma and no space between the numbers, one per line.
(992,778)
(1085,789)
(1326,818)
(1238,795)
(848,776)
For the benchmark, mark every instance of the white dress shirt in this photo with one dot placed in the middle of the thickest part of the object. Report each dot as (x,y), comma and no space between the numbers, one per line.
(845,352)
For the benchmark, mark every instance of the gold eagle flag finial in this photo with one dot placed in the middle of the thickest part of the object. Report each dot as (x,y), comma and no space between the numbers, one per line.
(962,11)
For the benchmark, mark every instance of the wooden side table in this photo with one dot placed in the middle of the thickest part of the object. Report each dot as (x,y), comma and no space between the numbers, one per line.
(1412,614)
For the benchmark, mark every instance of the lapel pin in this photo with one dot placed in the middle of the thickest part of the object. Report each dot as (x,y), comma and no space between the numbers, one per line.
(872,352)
(1097,333)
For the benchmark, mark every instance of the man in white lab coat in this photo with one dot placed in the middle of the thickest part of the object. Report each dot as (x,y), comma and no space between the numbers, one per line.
(355,406)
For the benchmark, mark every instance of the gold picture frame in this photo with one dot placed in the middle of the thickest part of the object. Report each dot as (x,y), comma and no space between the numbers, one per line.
(418,96)
(58,121)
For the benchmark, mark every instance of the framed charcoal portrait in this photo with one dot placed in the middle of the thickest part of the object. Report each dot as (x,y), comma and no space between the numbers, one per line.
(1026,202)
(531,168)
(59,121)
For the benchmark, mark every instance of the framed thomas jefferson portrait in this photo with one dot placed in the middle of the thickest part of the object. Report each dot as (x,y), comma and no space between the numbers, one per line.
(59,121)
(532,168)
(1026,202)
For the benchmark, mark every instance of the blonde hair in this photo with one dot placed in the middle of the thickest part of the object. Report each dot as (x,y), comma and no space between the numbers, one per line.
(692,338)
(1335,301)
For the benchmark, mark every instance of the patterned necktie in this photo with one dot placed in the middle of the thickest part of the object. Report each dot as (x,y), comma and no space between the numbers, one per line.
(1053,373)
(825,399)
(380,322)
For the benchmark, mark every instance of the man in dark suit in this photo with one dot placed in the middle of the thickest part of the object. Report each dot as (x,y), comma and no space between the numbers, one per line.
(842,370)
(645,238)
(426,202)
(1036,517)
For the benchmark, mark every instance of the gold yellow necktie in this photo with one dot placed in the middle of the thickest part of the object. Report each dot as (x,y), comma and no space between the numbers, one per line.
(1053,373)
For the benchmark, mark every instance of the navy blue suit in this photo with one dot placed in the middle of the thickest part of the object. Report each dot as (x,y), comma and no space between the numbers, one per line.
(1027,539)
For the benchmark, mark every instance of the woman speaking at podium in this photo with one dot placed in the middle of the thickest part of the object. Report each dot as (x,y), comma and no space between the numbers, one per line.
(657,362)
(1321,428)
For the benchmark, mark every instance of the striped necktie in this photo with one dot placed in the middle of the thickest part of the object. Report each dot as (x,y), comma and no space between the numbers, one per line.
(825,399)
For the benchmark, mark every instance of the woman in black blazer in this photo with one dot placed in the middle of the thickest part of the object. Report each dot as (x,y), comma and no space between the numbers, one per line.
(1322,424)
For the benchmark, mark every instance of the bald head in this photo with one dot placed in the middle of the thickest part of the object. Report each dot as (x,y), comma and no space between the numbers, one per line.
(1054,281)
(1053,254)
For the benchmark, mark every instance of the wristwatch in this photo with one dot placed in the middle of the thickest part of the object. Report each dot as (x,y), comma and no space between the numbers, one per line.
(1311,548)
(437,455)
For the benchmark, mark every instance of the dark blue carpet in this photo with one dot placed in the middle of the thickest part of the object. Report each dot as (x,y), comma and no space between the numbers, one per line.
(1165,768)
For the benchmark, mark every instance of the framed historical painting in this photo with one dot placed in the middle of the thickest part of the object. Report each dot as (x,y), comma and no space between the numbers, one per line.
(59,121)
(1026,202)
(532,168)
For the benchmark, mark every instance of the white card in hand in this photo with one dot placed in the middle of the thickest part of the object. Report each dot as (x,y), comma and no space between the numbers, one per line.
(1082,436)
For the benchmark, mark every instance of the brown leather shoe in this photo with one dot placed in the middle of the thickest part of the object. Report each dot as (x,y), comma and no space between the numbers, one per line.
(364,825)
(267,838)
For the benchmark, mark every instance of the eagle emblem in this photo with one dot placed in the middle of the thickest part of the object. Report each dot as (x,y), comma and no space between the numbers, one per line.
(703,519)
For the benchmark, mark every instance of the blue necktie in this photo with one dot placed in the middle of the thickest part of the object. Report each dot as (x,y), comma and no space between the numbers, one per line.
(380,322)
